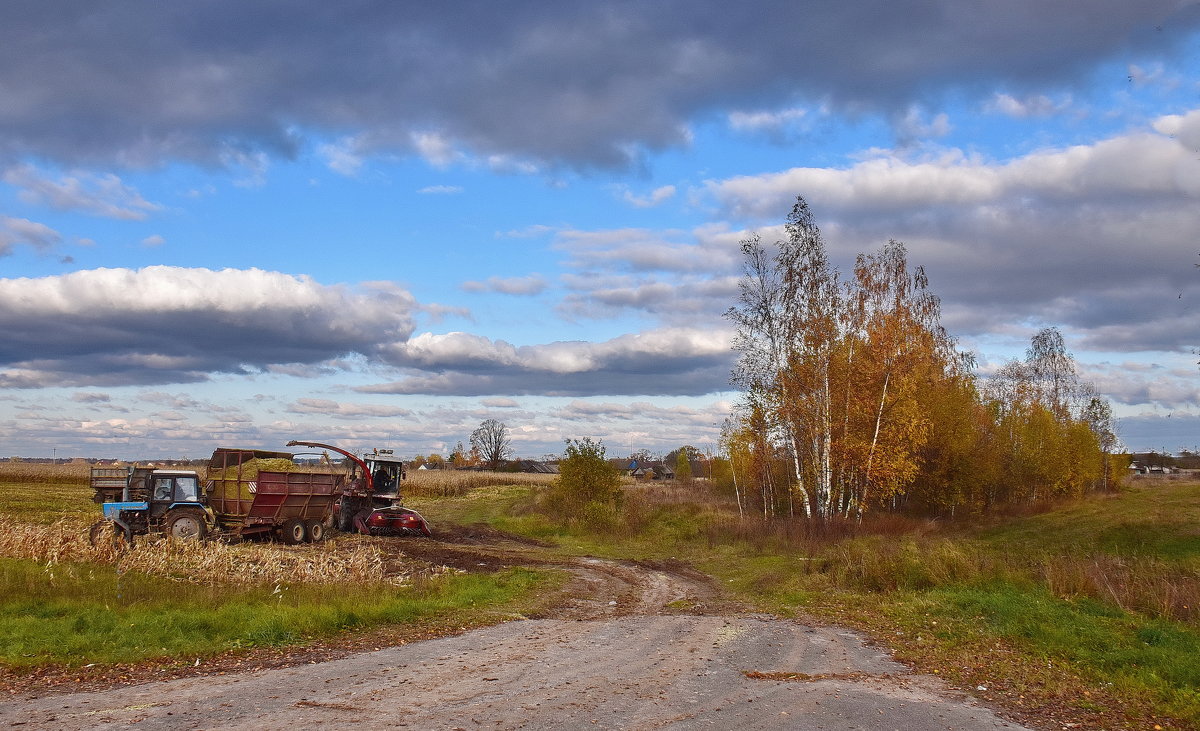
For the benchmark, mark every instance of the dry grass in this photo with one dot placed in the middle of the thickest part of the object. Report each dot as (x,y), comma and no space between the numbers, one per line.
(1142,584)
(455,483)
(346,561)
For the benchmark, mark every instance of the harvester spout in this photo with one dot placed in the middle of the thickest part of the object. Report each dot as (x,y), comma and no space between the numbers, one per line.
(362,465)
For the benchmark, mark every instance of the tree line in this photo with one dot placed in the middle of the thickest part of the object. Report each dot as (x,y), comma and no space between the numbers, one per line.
(856,398)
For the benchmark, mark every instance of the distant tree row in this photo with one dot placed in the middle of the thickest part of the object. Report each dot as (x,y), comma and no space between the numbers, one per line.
(857,399)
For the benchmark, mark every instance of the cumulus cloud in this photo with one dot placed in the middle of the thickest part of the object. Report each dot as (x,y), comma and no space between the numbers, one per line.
(674,361)
(158,81)
(173,325)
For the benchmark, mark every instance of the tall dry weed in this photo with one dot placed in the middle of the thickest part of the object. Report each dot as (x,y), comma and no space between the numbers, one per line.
(330,562)
(1147,585)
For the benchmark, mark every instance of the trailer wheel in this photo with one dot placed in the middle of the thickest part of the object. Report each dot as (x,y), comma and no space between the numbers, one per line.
(185,525)
(316,530)
(293,531)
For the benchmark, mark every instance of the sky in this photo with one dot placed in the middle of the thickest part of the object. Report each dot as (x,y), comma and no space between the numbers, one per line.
(377,224)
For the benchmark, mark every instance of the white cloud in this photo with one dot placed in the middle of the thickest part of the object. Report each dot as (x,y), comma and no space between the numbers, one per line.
(663,361)
(768,121)
(913,126)
(1136,164)
(520,286)
(706,249)
(15,231)
(337,409)
(654,198)
(1037,105)
(153,240)
(343,156)
(441,190)
(98,195)
(436,149)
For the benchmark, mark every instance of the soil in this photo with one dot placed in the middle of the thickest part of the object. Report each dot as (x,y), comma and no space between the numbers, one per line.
(623,645)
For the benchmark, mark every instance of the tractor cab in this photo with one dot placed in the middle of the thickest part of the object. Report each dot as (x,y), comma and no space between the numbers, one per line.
(174,487)
(387,472)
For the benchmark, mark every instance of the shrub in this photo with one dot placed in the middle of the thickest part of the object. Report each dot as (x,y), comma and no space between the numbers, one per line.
(588,488)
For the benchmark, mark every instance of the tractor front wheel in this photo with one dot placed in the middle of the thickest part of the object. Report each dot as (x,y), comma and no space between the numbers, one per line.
(106,533)
(293,531)
(185,525)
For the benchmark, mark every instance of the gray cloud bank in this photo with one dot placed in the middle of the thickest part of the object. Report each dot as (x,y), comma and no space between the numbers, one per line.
(166,324)
(580,83)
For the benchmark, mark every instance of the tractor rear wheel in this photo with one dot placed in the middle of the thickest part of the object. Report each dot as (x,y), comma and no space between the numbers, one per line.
(185,525)
(293,531)
(316,530)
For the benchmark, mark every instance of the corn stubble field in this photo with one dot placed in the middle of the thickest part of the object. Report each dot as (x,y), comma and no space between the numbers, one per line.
(1084,613)
(66,602)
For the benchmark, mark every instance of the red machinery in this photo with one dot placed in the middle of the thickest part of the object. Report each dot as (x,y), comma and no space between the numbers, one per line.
(370,501)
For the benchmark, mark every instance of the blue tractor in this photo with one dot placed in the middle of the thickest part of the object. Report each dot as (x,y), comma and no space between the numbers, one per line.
(139,500)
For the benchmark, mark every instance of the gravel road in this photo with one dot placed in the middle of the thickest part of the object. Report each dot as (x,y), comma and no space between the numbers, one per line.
(630,646)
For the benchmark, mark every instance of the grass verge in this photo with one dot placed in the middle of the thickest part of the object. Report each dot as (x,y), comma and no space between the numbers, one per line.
(78,614)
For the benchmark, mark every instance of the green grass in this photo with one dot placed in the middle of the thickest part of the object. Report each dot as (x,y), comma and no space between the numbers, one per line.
(81,614)
(1162,520)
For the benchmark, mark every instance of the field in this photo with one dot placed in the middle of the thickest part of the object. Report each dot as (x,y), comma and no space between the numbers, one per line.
(1082,614)
(1086,613)
(66,603)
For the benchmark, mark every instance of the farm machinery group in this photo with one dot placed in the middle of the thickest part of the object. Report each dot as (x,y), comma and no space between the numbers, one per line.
(253,493)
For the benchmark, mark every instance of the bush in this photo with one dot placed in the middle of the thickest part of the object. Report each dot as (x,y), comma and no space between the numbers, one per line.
(588,488)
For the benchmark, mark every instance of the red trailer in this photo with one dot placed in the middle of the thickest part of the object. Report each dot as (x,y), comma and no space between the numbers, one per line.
(246,501)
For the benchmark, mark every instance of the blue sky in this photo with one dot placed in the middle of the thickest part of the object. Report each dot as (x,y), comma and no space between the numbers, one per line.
(378,225)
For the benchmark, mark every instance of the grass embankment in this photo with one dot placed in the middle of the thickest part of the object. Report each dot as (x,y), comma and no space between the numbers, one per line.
(66,603)
(1084,614)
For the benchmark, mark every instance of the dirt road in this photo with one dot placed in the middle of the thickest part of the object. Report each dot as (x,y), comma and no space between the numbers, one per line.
(629,646)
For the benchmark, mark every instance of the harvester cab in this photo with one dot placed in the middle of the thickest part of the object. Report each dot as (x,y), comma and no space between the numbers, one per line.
(387,472)
(140,500)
